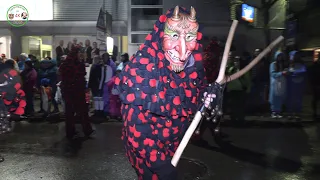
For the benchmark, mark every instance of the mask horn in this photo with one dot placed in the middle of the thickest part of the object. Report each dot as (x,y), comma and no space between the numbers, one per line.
(193,13)
(175,15)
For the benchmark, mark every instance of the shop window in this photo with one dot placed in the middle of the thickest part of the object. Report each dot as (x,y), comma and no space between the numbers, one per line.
(143,19)
(146,2)
(39,46)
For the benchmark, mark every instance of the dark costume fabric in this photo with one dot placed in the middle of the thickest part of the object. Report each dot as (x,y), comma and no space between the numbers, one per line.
(157,104)
(212,60)
(12,100)
(73,87)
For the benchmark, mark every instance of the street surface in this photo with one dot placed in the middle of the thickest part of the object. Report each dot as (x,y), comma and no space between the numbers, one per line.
(261,149)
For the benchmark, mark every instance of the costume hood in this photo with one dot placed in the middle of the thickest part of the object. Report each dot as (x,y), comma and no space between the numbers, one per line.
(276,55)
(148,72)
(292,54)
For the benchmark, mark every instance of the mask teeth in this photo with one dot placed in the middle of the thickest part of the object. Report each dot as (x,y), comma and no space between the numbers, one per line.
(175,68)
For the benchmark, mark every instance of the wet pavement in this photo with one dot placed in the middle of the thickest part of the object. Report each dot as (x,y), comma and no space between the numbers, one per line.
(261,149)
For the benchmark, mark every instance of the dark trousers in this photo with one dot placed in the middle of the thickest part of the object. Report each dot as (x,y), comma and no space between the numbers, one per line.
(29,100)
(237,105)
(76,107)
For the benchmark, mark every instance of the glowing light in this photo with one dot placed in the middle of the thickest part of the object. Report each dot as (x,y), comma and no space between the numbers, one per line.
(110,43)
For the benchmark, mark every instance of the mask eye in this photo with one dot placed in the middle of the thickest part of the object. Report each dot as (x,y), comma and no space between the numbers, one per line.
(175,36)
(190,37)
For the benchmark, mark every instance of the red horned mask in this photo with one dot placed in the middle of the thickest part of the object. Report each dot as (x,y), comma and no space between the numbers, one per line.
(180,38)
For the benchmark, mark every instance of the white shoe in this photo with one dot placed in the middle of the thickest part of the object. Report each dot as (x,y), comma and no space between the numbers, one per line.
(274,116)
(279,116)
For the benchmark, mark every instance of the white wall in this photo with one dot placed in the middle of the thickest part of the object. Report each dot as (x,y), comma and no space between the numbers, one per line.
(5,42)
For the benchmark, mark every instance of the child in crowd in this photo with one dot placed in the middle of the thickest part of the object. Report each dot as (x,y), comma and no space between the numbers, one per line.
(115,103)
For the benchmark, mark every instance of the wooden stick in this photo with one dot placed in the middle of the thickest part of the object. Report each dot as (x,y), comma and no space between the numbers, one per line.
(226,51)
(254,62)
(187,136)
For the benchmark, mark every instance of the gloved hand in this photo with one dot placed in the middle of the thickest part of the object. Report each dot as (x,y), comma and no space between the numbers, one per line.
(166,172)
(208,98)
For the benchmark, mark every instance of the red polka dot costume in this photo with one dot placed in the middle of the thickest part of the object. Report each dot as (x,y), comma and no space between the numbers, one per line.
(157,103)
(12,97)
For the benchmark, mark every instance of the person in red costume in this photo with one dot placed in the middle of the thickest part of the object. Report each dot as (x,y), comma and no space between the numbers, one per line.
(160,89)
(73,88)
(12,98)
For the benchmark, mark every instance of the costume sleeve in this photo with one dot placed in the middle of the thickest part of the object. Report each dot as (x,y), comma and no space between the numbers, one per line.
(273,71)
(299,71)
(136,83)
(202,85)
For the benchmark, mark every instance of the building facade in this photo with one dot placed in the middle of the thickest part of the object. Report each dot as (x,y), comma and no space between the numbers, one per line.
(213,16)
(63,20)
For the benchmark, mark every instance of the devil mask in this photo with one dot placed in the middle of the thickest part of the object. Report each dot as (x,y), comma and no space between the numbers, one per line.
(180,38)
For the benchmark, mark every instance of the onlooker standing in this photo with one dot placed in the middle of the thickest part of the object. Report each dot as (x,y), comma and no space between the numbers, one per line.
(124,61)
(69,47)
(88,50)
(296,85)
(48,70)
(278,84)
(60,51)
(95,50)
(29,79)
(237,91)
(22,58)
(75,42)
(3,57)
(35,62)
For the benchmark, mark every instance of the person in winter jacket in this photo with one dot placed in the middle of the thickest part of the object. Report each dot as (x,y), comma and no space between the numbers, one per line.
(278,84)
(237,91)
(29,80)
(48,70)
(295,85)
